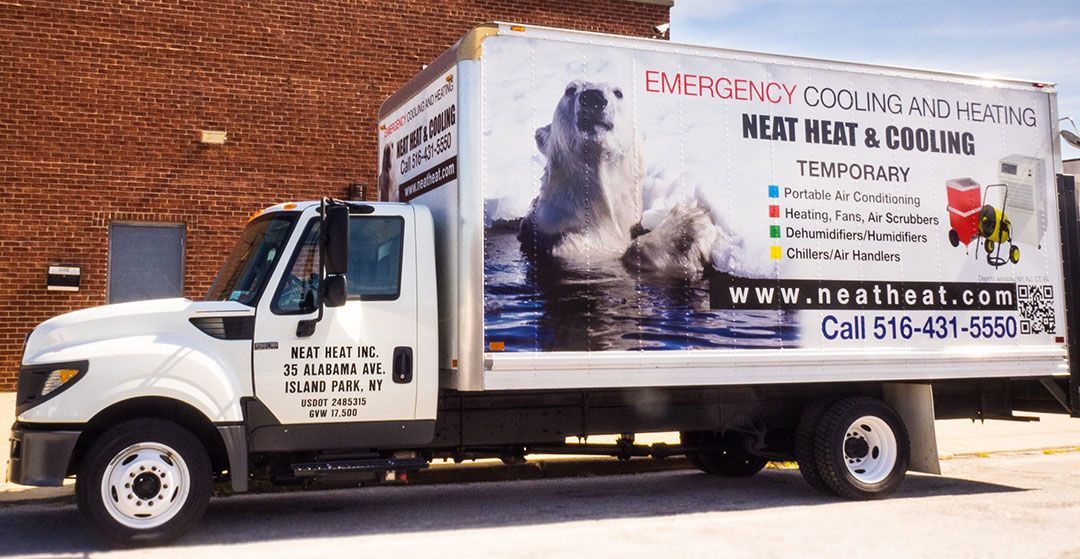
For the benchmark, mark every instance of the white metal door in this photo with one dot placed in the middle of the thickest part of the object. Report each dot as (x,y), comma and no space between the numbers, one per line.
(344,372)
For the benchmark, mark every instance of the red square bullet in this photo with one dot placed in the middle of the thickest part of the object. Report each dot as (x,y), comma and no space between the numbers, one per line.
(774,210)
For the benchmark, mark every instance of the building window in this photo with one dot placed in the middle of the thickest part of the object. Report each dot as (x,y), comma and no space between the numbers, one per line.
(146,261)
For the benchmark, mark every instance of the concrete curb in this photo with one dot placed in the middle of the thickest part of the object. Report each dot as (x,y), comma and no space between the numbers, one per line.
(14,495)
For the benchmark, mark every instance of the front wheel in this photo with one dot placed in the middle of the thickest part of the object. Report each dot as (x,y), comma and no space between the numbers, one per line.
(861,449)
(144,482)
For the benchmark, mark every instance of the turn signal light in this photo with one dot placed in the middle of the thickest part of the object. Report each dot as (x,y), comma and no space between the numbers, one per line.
(58,378)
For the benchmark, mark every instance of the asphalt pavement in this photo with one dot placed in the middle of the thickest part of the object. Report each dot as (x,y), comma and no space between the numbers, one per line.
(1016,505)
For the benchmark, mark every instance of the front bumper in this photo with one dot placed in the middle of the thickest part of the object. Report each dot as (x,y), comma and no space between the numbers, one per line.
(40,456)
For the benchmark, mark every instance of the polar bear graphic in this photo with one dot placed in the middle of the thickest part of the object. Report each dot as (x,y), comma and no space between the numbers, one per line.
(590,200)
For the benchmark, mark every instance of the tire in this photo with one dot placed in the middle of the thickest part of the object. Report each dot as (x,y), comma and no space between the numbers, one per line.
(804,443)
(954,238)
(861,449)
(726,456)
(134,462)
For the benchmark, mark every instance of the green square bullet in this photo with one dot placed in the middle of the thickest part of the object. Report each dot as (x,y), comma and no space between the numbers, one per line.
(774,231)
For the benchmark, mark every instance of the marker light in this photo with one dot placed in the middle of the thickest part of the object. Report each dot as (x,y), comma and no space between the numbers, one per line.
(58,378)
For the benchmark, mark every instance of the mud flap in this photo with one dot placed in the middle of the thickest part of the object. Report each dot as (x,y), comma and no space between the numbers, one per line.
(914,403)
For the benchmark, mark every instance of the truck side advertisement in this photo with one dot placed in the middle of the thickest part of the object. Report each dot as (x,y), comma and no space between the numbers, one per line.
(418,143)
(643,200)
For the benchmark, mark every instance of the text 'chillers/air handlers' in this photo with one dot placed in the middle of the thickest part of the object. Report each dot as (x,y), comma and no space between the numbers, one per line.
(844,133)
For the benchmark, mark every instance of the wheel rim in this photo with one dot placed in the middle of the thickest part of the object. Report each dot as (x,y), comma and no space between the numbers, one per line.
(145,485)
(870,449)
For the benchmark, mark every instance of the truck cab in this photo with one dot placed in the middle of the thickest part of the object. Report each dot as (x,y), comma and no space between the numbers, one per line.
(319,333)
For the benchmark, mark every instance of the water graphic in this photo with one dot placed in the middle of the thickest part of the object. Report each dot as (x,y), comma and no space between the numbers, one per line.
(531,306)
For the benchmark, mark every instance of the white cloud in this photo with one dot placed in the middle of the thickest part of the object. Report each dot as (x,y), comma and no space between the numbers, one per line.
(1006,29)
(706,10)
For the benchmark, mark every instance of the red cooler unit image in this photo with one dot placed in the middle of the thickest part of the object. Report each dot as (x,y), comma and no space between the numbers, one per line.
(965,201)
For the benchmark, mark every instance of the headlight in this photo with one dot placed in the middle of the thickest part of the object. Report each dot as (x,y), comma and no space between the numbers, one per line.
(38,383)
(57,378)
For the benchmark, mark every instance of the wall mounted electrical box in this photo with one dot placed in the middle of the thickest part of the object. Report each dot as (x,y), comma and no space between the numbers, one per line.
(62,278)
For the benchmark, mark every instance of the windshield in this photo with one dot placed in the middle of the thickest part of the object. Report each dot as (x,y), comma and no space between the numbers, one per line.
(249,265)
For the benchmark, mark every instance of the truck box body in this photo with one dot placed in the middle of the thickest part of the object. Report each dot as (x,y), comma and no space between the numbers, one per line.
(617,212)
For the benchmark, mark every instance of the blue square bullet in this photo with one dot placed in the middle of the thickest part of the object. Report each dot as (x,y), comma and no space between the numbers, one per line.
(774,191)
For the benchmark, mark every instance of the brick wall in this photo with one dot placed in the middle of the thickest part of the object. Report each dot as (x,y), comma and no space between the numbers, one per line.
(102,103)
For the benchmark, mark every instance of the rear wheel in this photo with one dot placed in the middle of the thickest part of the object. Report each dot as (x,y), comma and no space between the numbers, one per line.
(144,482)
(804,443)
(954,238)
(861,449)
(722,454)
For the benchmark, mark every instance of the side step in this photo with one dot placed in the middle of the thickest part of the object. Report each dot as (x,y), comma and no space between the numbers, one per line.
(312,469)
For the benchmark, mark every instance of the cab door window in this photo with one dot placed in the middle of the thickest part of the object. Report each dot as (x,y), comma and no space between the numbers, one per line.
(375,245)
(375,251)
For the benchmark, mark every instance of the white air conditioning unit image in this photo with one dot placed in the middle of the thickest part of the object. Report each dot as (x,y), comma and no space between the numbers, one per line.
(1025,178)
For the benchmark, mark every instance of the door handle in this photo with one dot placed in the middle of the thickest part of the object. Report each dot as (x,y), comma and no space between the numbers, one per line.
(403,365)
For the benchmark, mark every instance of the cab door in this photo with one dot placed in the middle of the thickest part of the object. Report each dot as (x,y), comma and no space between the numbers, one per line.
(344,371)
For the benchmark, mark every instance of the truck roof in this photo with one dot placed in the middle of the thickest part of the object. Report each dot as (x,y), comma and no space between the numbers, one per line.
(305,204)
(469,48)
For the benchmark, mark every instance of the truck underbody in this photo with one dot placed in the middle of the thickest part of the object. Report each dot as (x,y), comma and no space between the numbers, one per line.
(509,425)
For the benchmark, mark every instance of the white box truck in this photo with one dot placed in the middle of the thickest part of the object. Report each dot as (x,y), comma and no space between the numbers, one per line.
(581,234)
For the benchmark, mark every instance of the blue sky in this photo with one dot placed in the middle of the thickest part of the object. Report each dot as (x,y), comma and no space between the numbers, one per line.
(1017,39)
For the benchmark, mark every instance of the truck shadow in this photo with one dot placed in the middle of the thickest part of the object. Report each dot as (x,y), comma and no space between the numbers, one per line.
(55,527)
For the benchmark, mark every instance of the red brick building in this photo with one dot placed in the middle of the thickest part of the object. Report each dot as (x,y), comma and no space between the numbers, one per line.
(104,103)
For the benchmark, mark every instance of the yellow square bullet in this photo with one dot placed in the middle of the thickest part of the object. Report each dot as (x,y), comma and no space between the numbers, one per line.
(775,252)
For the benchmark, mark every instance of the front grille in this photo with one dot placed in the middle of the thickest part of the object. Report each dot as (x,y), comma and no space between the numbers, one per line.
(31,379)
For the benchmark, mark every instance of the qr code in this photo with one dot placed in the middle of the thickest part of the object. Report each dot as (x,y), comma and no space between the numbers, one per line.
(1036,306)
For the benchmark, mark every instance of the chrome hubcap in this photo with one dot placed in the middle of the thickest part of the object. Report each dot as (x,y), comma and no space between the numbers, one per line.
(870,449)
(145,485)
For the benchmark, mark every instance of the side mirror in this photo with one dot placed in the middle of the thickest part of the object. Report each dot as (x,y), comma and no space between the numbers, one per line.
(334,252)
(335,290)
(335,240)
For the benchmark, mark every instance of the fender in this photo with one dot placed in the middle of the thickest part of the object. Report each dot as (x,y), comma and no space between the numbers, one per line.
(206,373)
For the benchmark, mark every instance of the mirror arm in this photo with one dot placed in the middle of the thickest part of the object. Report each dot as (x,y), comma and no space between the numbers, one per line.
(305,328)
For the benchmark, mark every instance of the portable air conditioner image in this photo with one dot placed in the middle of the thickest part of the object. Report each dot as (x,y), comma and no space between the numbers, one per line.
(964,204)
(1025,180)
